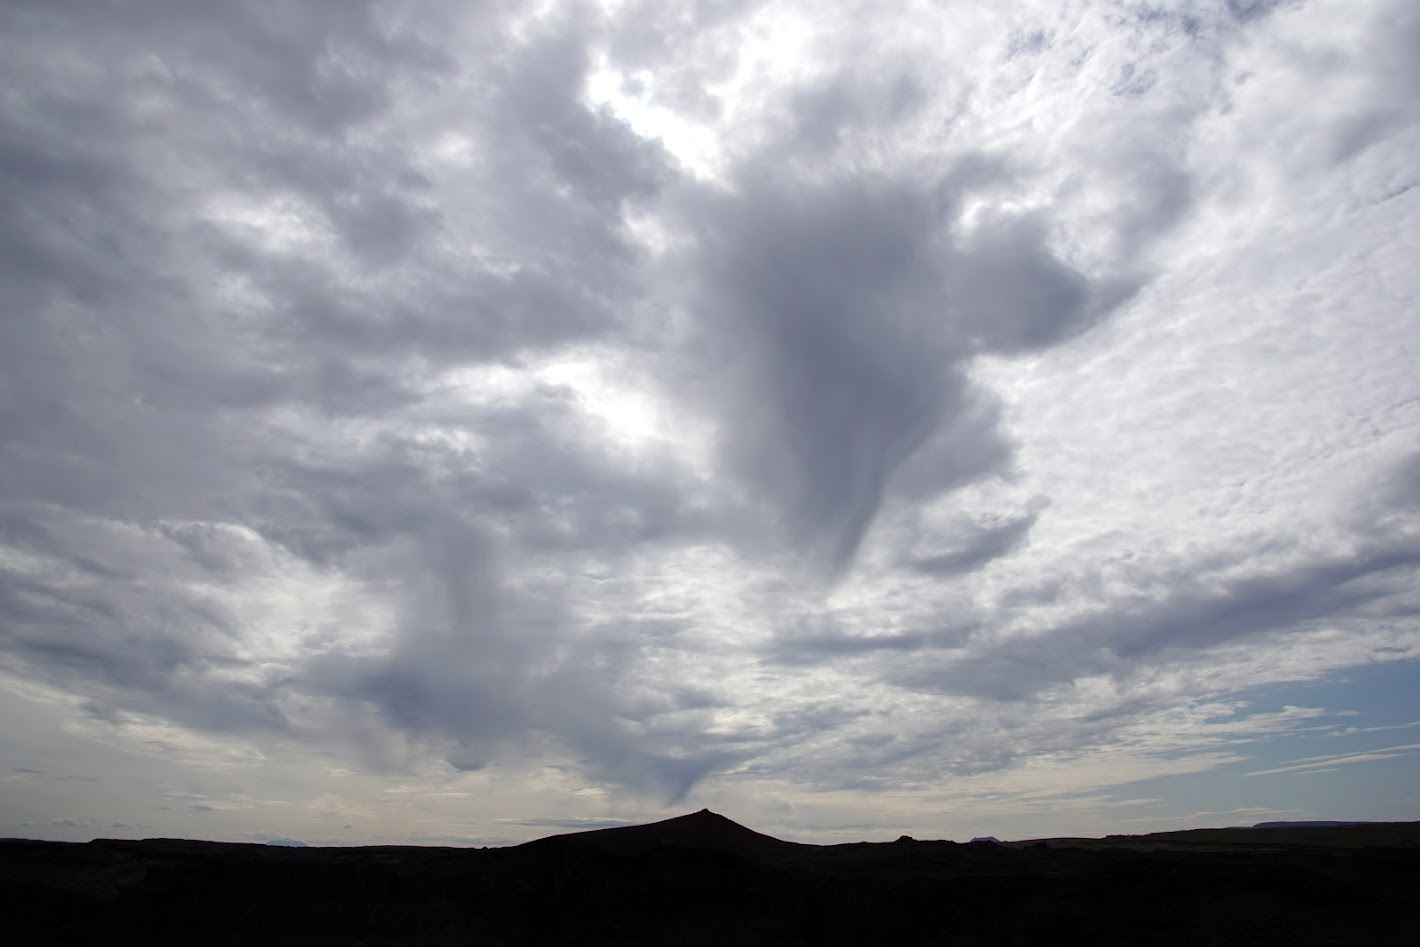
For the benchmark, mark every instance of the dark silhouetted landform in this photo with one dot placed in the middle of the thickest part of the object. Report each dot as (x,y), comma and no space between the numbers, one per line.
(704,879)
(1310,825)
(703,829)
(287,842)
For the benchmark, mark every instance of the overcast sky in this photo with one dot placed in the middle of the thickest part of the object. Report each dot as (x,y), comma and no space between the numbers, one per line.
(458,422)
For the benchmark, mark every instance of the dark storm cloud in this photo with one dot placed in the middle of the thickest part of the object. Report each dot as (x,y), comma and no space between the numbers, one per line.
(837,318)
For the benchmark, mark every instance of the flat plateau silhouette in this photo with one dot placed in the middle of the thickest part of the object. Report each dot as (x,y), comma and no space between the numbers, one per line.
(705,879)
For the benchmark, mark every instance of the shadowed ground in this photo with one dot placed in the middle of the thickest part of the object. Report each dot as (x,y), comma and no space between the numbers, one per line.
(704,879)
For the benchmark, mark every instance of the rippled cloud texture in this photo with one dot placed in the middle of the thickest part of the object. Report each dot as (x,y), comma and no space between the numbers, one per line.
(458,421)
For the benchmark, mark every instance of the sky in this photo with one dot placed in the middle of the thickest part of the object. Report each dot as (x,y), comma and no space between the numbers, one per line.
(456,423)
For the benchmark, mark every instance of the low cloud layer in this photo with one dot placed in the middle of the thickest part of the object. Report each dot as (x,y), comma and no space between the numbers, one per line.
(634,403)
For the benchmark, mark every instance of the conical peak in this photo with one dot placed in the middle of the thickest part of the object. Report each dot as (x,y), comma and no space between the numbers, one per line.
(695,828)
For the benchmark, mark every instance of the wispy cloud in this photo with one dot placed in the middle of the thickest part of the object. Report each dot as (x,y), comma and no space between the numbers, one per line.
(1349,731)
(1314,764)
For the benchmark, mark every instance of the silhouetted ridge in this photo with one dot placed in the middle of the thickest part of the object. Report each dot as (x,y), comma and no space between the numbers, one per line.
(1315,824)
(703,828)
(702,879)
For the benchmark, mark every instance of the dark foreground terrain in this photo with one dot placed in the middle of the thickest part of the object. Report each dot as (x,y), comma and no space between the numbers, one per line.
(702,879)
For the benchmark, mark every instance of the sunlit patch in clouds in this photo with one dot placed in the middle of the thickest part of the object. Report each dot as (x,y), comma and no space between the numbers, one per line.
(427,420)
(697,78)
(275,225)
(631,98)
(631,415)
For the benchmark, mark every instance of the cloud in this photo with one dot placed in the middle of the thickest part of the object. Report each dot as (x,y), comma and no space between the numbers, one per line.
(986,545)
(1328,763)
(222,424)
(67,823)
(1191,616)
(1348,731)
(575,825)
(669,399)
(835,321)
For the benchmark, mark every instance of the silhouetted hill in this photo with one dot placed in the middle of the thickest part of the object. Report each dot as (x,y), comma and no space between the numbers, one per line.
(1325,823)
(703,879)
(704,829)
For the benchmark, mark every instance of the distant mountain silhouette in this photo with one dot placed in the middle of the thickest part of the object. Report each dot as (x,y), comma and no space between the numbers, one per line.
(1324,823)
(703,829)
